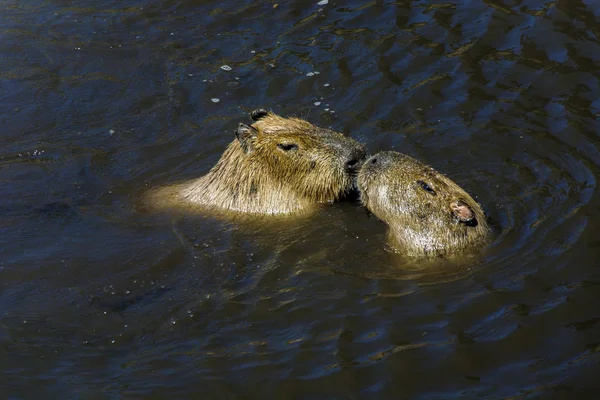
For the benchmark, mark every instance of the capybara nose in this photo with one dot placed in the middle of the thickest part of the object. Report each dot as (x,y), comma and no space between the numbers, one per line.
(353,163)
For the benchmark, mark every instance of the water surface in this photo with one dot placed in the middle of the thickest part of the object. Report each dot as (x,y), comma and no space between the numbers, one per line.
(102,100)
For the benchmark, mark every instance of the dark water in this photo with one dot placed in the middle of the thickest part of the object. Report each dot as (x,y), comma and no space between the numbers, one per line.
(101,100)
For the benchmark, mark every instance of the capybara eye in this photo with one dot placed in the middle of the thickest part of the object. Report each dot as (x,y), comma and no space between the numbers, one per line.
(426,187)
(287,146)
(258,114)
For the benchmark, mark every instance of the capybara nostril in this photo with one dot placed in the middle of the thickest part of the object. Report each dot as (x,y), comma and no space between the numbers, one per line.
(355,159)
(352,165)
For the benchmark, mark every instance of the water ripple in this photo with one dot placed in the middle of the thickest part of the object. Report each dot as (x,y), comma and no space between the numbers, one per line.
(100,101)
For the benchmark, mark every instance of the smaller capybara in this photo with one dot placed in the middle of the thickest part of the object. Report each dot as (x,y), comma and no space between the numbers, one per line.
(428,214)
(276,166)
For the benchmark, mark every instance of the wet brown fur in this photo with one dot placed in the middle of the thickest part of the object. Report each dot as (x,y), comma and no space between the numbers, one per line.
(428,214)
(255,175)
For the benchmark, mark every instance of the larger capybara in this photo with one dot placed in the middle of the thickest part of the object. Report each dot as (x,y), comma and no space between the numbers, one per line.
(428,214)
(276,166)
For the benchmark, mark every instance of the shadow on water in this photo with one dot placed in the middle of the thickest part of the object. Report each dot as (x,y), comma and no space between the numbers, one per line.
(101,101)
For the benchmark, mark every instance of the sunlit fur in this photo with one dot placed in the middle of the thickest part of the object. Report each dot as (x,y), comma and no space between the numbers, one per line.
(421,224)
(268,180)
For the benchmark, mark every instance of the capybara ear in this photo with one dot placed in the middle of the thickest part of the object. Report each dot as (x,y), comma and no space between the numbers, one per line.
(246,135)
(462,211)
(259,113)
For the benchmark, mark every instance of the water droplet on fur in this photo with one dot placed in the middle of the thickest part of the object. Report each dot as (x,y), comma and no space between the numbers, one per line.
(323,2)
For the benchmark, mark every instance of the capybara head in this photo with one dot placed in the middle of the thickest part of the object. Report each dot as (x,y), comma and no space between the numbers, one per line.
(315,163)
(428,214)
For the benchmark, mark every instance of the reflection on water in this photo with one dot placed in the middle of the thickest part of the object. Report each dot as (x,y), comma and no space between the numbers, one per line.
(100,101)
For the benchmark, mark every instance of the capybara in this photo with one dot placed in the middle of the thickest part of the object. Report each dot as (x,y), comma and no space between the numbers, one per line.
(428,214)
(275,166)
